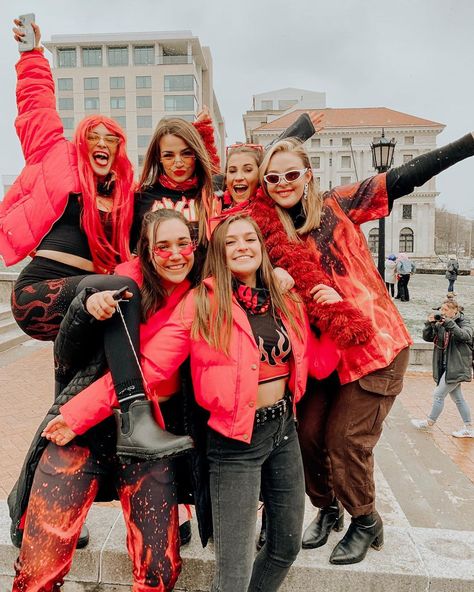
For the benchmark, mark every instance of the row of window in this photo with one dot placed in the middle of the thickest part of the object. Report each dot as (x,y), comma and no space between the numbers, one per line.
(172,103)
(143,122)
(346,161)
(406,240)
(316,142)
(172,83)
(143,55)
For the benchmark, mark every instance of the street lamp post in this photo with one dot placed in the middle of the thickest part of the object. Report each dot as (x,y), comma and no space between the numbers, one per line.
(382,159)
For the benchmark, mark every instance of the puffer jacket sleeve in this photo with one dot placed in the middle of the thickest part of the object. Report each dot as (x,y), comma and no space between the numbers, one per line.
(161,357)
(38,124)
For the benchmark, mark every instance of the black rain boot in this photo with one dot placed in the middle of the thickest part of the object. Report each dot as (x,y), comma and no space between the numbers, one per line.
(262,537)
(329,518)
(364,532)
(139,436)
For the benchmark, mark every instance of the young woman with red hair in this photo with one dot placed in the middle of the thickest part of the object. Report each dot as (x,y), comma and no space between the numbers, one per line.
(71,209)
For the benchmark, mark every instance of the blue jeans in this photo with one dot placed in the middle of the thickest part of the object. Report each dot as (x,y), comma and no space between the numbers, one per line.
(451,285)
(440,394)
(272,464)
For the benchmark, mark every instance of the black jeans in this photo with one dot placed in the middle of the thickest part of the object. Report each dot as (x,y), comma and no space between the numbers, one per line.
(403,287)
(238,471)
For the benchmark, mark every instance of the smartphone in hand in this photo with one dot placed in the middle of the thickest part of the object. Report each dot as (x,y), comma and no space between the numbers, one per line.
(27,42)
(120,294)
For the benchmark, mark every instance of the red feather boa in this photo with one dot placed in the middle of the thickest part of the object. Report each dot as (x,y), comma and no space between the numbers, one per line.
(342,321)
(206,131)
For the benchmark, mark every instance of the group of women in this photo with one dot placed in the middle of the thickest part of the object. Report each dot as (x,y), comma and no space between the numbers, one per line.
(203,286)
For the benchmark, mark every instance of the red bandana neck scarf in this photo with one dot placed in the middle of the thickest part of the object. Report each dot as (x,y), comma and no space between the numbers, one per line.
(191,183)
(252,300)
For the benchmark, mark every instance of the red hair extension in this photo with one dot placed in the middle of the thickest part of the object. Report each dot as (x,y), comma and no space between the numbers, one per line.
(104,252)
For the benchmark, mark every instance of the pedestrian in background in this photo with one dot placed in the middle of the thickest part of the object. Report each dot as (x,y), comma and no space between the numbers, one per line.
(451,332)
(405,268)
(391,274)
(452,269)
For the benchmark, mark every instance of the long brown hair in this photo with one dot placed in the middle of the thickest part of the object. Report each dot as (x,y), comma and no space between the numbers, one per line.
(213,319)
(313,203)
(153,293)
(106,251)
(152,168)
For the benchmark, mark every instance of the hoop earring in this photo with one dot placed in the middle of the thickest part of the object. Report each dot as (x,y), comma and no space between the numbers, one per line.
(305,190)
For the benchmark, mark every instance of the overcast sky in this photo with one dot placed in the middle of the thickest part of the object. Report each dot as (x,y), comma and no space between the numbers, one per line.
(415,56)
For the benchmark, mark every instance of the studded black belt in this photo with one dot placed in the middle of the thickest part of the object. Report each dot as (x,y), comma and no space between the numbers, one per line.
(275,411)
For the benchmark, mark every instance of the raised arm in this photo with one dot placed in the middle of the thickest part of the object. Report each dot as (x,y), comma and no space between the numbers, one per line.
(38,124)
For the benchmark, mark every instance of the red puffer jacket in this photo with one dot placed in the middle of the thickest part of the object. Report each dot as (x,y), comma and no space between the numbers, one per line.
(224,385)
(39,195)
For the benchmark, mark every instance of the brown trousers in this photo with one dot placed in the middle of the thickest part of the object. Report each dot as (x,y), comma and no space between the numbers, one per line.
(338,428)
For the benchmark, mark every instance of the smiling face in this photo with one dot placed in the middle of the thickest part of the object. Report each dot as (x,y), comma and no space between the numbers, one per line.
(241,176)
(172,238)
(177,158)
(102,147)
(243,251)
(287,194)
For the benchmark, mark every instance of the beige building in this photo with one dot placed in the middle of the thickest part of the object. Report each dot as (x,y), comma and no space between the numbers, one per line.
(340,155)
(135,78)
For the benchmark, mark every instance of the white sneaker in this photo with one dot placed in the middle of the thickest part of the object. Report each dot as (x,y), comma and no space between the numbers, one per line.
(421,424)
(465,432)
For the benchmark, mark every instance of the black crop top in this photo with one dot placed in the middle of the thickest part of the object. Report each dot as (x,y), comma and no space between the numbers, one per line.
(67,235)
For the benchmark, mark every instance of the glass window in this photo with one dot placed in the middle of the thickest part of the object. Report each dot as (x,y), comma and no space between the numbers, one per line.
(267,105)
(181,82)
(330,142)
(67,58)
(68,122)
(141,159)
(187,117)
(407,157)
(143,81)
(64,83)
(330,161)
(179,103)
(121,120)
(409,139)
(315,142)
(345,162)
(407,211)
(143,141)
(117,102)
(91,103)
(346,141)
(117,56)
(143,121)
(91,83)
(143,102)
(117,82)
(346,180)
(316,162)
(144,54)
(406,240)
(91,56)
(373,240)
(66,103)
(330,184)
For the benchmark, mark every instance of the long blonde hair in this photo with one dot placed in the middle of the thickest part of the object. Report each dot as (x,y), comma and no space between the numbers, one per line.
(313,203)
(213,319)
(152,165)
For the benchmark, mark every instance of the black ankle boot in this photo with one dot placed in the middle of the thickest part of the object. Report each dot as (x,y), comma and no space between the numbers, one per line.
(139,436)
(185,532)
(328,518)
(364,532)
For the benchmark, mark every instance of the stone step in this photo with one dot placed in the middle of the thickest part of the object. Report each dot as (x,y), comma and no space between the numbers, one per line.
(412,560)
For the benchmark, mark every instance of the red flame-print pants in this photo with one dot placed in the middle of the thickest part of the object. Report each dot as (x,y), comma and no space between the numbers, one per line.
(65,485)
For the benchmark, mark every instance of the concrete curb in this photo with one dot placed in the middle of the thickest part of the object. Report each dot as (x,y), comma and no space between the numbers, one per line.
(413,560)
